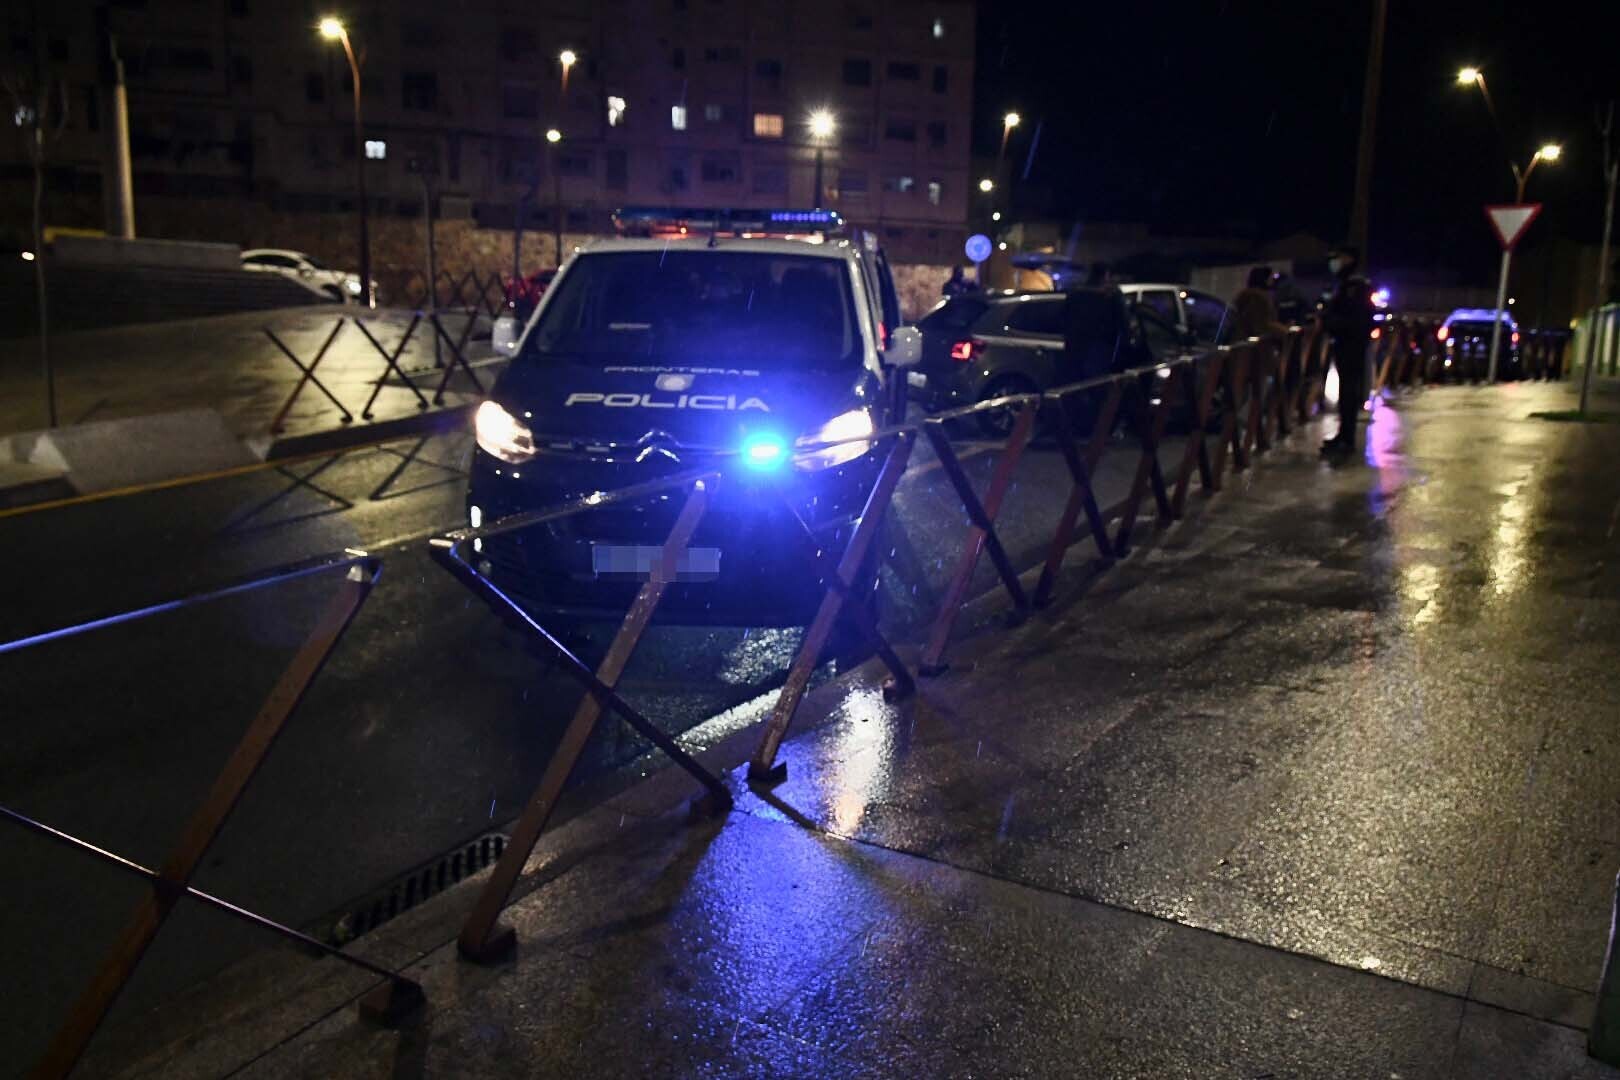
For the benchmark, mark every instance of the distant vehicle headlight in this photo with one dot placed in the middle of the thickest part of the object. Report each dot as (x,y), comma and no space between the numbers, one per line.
(851,425)
(505,334)
(502,435)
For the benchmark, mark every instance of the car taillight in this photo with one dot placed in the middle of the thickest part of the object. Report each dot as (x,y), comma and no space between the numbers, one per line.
(883,335)
(1442,333)
(967,351)
(1377,333)
(1515,337)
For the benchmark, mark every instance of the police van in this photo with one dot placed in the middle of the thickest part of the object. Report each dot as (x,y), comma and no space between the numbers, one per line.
(737,340)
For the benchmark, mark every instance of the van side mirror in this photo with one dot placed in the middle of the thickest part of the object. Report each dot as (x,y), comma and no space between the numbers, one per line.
(905,347)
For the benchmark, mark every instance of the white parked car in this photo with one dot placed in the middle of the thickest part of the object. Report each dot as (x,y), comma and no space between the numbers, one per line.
(338,285)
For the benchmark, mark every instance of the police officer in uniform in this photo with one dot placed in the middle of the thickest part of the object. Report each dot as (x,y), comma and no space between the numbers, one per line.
(1347,317)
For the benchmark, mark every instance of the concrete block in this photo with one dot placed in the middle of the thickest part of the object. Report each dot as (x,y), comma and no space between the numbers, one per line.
(109,251)
(109,454)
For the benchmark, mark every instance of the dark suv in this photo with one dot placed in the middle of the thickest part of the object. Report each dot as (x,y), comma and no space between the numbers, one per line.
(991,345)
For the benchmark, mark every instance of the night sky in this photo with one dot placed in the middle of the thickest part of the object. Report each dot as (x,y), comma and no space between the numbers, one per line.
(1191,115)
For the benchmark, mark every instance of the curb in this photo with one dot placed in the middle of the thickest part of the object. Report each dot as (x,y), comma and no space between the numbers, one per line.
(431,422)
(1603,1040)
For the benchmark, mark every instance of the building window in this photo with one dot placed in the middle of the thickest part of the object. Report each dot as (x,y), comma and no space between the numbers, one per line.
(936,191)
(936,134)
(939,29)
(419,90)
(616,106)
(240,8)
(852,183)
(713,114)
(518,43)
(856,131)
(574,164)
(857,72)
(314,88)
(241,70)
(616,164)
(769,71)
(860,20)
(768,125)
(376,150)
(721,168)
(770,180)
(677,59)
(722,54)
(675,178)
(900,185)
(904,72)
(900,129)
(520,101)
(942,79)
(677,117)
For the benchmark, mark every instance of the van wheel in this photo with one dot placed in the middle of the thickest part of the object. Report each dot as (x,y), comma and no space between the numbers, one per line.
(998,423)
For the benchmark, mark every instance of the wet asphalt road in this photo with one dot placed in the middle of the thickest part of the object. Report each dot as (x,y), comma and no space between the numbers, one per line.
(429,726)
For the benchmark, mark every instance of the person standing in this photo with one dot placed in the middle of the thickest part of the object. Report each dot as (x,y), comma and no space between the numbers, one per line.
(1255,308)
(956,284)
(1347,317)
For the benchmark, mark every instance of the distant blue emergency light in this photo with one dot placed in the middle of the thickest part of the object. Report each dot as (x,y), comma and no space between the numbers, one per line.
(764,451)
(727,220)
(1484,315)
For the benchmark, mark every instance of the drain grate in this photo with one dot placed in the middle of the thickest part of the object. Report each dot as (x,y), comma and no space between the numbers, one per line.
(410,889)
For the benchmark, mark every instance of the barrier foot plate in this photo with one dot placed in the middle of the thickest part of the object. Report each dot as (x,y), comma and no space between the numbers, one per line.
(496,948)
(929,671)
(711,804)
(770,777)
(896,690)
(391,1002)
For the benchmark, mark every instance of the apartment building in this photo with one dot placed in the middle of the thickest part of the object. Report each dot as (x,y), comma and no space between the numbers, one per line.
(670,102)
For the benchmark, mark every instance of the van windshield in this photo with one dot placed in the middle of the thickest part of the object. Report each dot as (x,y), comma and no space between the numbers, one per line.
(770,311)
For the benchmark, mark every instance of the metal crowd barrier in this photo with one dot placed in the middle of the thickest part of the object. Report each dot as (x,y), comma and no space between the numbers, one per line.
(470,292)
(171,881)
(390,357)
(1244,397)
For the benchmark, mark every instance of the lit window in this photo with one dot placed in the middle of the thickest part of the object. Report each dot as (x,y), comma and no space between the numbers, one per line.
(712,113)
(376,149)
(935,190)
(677,117)
(939,29)
(615,110)
(768,125)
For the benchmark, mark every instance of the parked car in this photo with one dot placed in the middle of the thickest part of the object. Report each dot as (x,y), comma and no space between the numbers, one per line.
(336,285)
(1467,337)
(522,297)
(985,346)
(1206,319)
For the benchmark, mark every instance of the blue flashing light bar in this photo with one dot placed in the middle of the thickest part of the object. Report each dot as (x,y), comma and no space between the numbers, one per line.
(721,219)
(1483,315)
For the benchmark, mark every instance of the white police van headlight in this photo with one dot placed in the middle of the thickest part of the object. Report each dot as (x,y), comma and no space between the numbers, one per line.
(502,435)
(852,425)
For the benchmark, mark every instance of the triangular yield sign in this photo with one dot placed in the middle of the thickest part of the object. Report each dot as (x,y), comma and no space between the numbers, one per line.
(1511,220)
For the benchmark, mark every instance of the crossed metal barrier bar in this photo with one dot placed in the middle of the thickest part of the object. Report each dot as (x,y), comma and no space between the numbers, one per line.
(390,357)
(471,291)
(1267,392)
(170,882)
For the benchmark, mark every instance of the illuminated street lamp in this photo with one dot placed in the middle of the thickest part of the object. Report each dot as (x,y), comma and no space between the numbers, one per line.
(567,58)
(1468,76)
(333,30)
(823,125)
(554,140)
(987,185)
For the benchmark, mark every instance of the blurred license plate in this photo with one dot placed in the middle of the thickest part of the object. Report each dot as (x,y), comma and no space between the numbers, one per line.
(638,560)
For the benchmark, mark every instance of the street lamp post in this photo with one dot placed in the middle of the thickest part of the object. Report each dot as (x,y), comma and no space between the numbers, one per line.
(334,30)
(567,58)
(554,137)
(1550,152)
(822,127)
